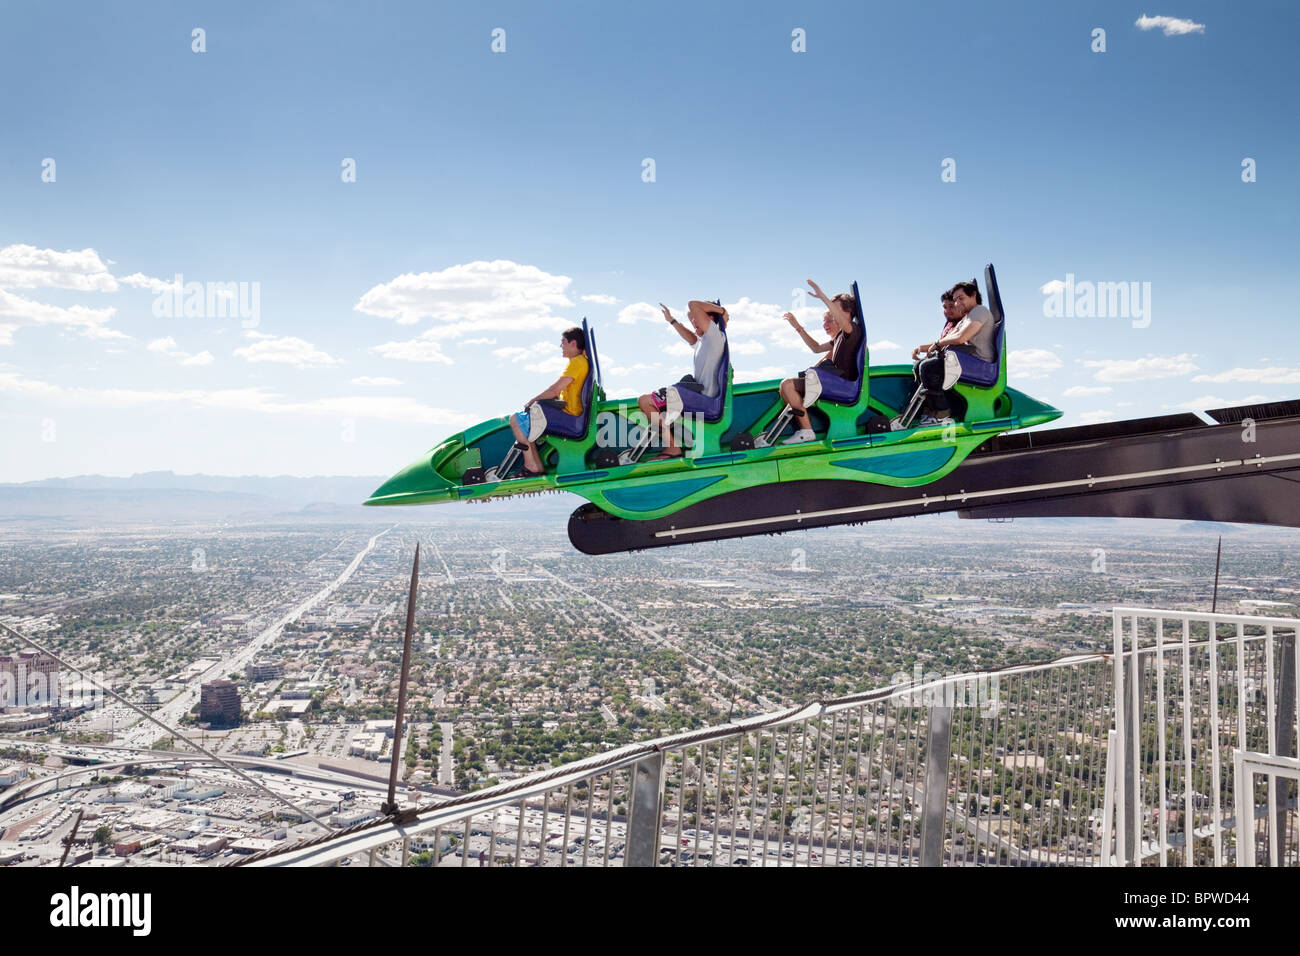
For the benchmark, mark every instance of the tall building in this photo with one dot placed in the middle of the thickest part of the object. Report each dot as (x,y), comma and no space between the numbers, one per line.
(219,703)
(28,679)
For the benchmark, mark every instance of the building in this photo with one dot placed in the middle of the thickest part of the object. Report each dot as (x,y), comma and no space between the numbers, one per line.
(28,679)
(12,774)
(201,845)
(370,746)
(264,671)
(353,816)
(219,703)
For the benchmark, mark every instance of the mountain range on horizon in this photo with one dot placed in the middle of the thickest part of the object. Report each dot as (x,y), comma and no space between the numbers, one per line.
(166,497)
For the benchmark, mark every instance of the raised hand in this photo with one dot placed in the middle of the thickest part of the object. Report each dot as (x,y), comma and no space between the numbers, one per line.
(668,316)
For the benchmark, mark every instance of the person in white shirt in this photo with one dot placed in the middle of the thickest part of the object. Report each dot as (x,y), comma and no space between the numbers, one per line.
(972,339)
(707,336)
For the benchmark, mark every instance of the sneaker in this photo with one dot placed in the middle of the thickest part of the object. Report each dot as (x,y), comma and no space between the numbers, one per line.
(801,436)
(927,420)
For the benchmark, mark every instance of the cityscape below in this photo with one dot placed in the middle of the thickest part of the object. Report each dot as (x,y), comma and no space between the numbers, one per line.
(276,638)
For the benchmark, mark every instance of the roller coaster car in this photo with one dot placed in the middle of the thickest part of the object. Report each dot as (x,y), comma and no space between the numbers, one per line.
(719,435)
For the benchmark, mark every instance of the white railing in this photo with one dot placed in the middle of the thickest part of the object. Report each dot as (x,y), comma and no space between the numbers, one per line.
(978,769)
(1199,688)
(1034,765)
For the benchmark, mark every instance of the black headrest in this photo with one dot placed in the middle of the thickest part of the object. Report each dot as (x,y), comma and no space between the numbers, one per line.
(991,290)
(861,317)
(593,356)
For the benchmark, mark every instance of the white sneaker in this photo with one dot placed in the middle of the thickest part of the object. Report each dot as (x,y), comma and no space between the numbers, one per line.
(801,436)
(928,420)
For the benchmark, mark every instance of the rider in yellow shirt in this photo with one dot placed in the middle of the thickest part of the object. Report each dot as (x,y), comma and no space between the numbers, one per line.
(561,404)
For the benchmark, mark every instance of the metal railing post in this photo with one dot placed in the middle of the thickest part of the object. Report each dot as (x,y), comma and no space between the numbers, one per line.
(646,811)
(1283,716)
(1133,725)
(1243,782)
(934,798)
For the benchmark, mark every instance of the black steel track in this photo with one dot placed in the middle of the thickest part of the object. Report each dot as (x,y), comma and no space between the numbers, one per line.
(1246,468)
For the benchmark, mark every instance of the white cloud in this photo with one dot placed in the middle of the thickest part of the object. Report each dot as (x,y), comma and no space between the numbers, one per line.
(1137,370)
(1172,26)
(103,332)
(764,373)
(1086,391)
(884,345)
(27,267)
(548,366)
(375,382)
(621,370)
(1100,415)
(497,295)
(600,299)
(286,350)
(1213,401)
(17,312)
(1264,376)
(256,400)
(1032,363)
(168,347)
(746,348)
(478,342)
(518,353)
(139,280)
(640,312)
(420,349)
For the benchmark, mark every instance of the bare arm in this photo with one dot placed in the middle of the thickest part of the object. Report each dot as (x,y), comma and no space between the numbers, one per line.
(808,340)
(682,330)
(962,334)
(554,391)
(841,315)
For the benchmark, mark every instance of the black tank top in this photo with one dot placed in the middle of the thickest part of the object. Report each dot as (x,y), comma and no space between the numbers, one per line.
(844,352)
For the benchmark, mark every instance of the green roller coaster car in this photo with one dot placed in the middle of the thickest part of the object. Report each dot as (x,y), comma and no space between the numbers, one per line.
(851,444)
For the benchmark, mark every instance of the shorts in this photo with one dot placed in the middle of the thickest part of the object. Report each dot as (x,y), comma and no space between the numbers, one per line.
(558,421)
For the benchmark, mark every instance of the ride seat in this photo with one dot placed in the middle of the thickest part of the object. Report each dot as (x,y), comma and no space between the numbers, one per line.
(709,409)
(836,388)
(573,442)
(976,371)
(983,384)
(575,426)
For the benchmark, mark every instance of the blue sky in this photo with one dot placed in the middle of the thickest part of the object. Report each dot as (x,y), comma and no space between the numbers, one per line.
(499,197)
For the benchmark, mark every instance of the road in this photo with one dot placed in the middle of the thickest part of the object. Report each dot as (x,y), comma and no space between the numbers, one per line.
(446,768)
(142,733)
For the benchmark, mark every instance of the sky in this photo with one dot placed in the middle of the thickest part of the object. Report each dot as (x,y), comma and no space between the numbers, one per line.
(381,216)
